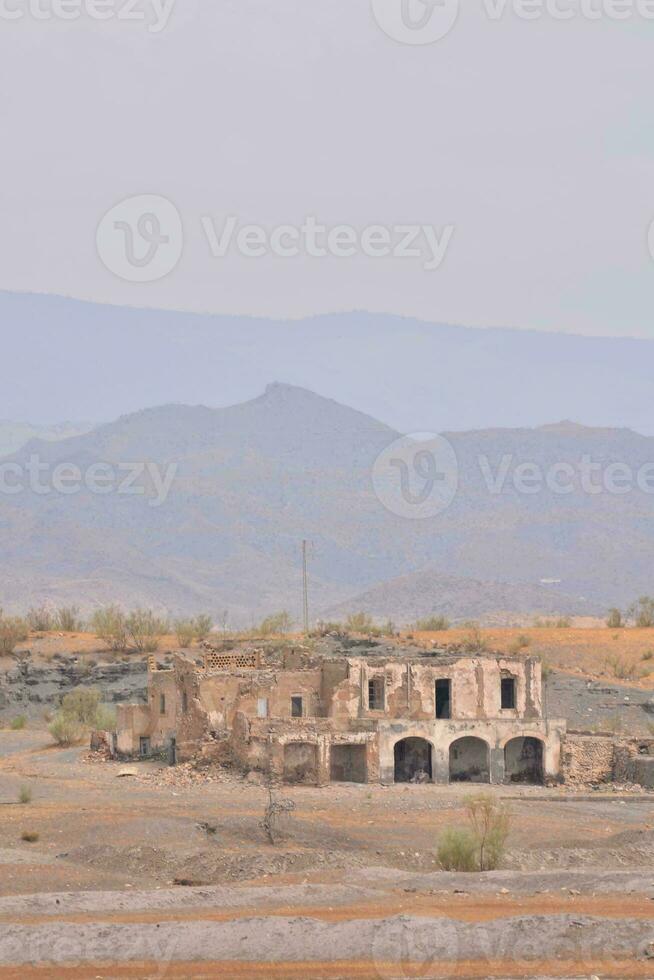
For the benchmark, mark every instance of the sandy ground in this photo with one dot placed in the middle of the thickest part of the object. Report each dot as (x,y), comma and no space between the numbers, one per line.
(352,890)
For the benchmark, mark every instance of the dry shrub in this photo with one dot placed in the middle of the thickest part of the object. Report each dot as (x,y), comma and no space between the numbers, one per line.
(481,845)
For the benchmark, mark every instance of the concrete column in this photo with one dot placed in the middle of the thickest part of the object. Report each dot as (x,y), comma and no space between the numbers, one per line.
(497,765)
(440,763)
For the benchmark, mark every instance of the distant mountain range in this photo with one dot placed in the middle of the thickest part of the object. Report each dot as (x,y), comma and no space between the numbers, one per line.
(94,361)
(14,435)
(252,480)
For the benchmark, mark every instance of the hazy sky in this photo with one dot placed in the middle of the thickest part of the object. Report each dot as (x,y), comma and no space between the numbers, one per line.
(533,141)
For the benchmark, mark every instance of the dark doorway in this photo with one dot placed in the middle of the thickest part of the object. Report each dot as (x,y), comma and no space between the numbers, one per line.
(297,706)
(508,693)
(144,747)
(172,752)
(469,761)
(443,699)
(301,763)
(413,761)
(523,761)
(348,764)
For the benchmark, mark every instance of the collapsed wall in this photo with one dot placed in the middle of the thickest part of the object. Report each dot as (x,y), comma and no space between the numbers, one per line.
(590,759)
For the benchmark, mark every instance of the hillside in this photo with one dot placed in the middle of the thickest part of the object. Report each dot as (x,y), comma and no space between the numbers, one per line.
(414,376)
(249,482)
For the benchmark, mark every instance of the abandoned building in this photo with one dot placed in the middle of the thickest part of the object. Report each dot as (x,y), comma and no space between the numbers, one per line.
(421,719)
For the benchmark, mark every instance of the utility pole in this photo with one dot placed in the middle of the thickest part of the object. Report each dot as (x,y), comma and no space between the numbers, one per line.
(305,590)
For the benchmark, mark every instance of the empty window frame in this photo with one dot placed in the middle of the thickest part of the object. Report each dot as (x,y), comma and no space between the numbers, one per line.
(376,694)
(162,704)
(297,706)
(508,693)
(262,708)
(444,698)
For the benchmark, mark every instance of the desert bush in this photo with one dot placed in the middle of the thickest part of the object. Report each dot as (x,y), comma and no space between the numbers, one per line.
(562,623)
(521,642)
(361,622)
(457,850)
(29,837)
(145,630)
(480,846)
(433,624)
(474,640)
(621,669)
(110,624)
(67,620)
(202,626)
(105,719)
(13,630)
(65,730)
(614,619)
(642,612)
(184,631)
(82,705)
(24,795)
(18,723)
(40,620)
(280,622)
(545,669)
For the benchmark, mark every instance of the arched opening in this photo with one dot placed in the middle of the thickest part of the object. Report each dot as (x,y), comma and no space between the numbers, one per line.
(413,761)
(301,763)
(469,761)
(523,760)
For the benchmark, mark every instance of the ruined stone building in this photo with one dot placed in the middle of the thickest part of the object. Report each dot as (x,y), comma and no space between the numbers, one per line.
(436,718)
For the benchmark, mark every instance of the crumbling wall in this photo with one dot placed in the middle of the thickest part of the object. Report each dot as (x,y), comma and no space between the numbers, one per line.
(588,759)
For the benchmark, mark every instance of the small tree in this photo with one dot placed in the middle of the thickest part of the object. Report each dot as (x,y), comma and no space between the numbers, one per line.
(82,705)
(360,622)
(65,730)
(67,620)
(642,612)
(145,630)
(40,620)
(614,619)
(110,624)
(481,845)
(13,631)
(184,631)
(277,623)
(202,626)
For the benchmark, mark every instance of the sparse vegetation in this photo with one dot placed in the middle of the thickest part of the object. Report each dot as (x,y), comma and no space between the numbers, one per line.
(187,630)
(642,612)
(24,795)
(279,623)
(18,723)
(614,619)
(13,630)
(81,710)
(110,625)
(520,643)
(433,624)
(562,623)
(481,845)
(619,668)
(65,730)
(67,620)
(145,630)
(41,620)
(474,640)
(29,837)
(184,632)
(361,622)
